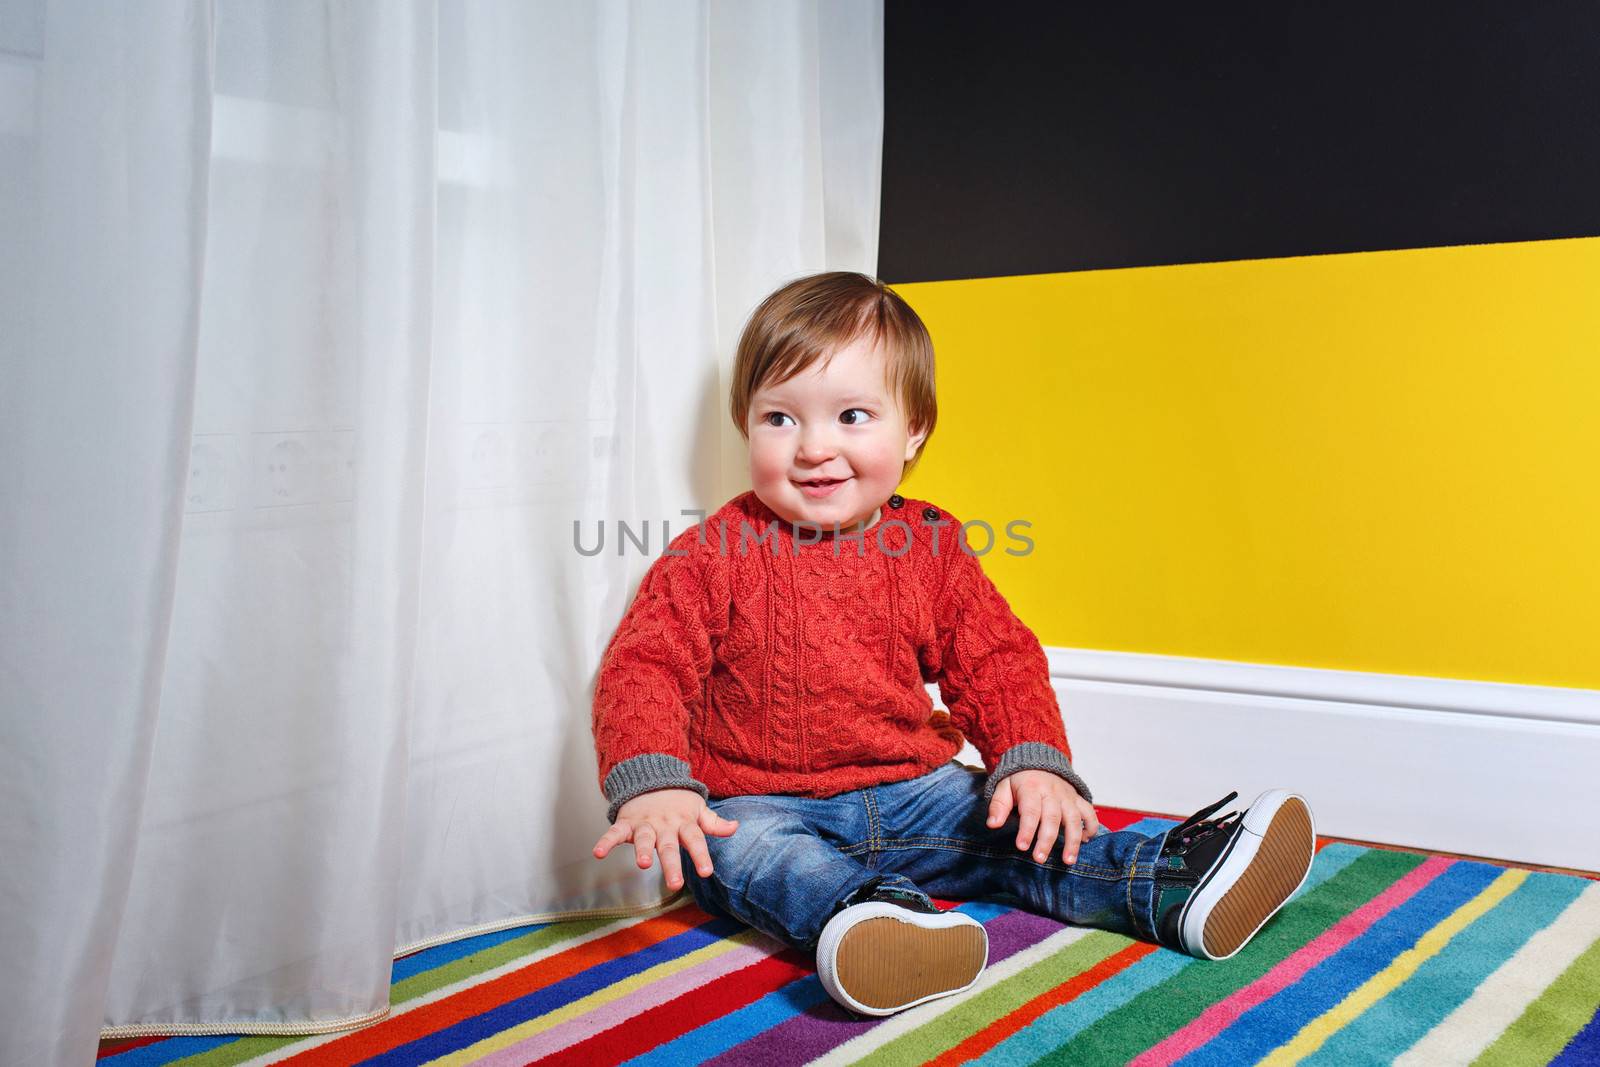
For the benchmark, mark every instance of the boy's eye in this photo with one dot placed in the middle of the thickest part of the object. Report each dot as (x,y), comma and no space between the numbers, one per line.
(850,417)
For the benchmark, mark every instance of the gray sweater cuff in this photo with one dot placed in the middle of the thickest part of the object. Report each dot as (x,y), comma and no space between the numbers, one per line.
(1035,756)
(644,774)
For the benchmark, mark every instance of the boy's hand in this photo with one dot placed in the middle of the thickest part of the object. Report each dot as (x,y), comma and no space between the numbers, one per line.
(660,819)
(1047,802)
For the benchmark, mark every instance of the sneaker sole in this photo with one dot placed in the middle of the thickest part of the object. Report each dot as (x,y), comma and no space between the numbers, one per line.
(881,964)
(1266,864)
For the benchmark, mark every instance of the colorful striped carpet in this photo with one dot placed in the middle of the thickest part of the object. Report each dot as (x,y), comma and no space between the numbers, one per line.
(1384,956)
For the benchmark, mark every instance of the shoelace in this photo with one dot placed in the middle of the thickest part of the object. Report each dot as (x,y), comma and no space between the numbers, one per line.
(1199,826)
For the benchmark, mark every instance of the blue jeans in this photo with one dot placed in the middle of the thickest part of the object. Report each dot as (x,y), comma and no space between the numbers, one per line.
(793,860)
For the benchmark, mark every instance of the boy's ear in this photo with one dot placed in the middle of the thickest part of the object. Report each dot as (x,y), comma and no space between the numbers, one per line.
(914,442)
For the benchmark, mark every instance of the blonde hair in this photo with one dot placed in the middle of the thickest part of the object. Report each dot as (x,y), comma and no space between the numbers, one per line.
(813,317)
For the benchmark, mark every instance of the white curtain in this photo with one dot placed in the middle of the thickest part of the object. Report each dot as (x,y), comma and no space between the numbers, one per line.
(321,324)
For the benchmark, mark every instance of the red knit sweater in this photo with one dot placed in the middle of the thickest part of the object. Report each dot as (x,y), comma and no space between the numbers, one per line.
(773,665)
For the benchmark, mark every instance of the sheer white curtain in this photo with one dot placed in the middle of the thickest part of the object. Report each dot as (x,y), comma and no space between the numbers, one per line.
(321,323)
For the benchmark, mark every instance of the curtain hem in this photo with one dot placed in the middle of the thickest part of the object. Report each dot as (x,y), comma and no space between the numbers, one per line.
(310,1029)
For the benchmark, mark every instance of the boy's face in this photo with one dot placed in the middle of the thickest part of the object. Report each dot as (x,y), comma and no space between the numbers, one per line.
(836,420)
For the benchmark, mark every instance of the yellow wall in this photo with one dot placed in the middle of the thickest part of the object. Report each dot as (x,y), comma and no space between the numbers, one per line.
(1384,461)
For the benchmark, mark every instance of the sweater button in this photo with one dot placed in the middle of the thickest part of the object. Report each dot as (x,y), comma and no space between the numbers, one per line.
(930,513)
(896,500)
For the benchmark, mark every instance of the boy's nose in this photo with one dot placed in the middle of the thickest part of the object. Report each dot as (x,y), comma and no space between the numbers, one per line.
(814,449)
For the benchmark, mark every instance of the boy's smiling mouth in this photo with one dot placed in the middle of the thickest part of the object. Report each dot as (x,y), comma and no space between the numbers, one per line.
(816,488)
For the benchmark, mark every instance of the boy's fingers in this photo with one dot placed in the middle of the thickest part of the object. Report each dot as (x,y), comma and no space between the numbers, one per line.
(1069,851)
(1091,821)
(1049,825)
(1029,808)
(671,864)
(612,838)
(712,823)
(695,842)
(1000,804)
(643,838)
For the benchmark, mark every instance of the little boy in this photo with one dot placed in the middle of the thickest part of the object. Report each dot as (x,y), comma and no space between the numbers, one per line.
(762,703)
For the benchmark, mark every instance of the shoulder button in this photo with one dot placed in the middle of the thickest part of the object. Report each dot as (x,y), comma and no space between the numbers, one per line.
(896,501)
(930,513)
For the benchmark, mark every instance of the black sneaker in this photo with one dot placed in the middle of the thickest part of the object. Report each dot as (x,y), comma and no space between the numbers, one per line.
(1219,880)
(887,949)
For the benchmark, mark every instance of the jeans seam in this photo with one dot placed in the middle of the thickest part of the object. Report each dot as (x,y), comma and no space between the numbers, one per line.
(1102,874)
(966,845)
(874,843)
(1133,913)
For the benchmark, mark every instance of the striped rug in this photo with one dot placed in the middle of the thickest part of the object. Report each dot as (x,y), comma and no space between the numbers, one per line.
(1383,956)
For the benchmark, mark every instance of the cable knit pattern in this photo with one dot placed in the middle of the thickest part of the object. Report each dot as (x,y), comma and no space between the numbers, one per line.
(758,659)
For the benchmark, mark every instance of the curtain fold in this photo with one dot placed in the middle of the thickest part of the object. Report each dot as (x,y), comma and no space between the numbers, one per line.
(324,328)
(104,150)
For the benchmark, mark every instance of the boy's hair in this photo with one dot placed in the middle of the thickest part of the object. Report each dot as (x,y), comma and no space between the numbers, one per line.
(811,318)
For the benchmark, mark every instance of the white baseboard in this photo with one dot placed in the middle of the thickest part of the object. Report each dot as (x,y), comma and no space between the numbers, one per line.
(1482,768)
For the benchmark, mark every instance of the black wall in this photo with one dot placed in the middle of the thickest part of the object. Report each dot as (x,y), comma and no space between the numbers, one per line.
(1032,138)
